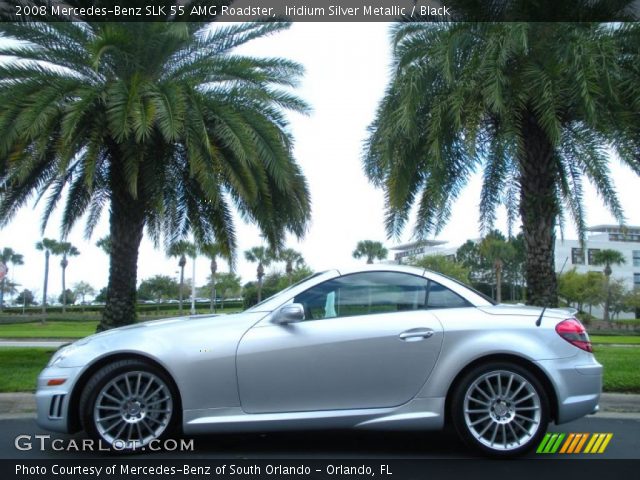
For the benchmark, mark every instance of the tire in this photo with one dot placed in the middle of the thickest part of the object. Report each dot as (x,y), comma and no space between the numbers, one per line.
(128,404)
(500,409)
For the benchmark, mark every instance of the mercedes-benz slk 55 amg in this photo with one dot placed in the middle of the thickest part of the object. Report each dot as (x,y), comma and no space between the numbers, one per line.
(379,347)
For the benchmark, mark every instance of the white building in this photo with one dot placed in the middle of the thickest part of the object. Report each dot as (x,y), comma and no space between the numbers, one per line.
(625,240)
(422,248)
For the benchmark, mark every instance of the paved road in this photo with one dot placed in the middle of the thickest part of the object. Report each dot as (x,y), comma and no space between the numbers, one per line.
(332,444)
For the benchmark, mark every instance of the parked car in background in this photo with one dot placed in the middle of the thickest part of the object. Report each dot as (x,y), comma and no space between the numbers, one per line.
(381,347)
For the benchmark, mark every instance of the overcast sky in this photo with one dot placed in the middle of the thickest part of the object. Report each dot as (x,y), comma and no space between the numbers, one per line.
(347,67)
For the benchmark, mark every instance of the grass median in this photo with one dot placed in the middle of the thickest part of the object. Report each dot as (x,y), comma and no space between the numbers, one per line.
(57,329)
(71,326)
(20,366)
(615,339)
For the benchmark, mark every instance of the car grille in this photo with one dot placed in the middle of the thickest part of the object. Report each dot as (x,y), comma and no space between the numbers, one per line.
(55,408)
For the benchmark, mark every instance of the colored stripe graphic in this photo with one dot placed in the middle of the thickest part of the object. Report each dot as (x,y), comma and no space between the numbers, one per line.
(598,443)
(543,443)
(581,443)
(550,443)
(603,447)
(573,443)
(567,443)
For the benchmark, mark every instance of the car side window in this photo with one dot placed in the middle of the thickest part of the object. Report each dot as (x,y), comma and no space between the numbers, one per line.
(441,297)
(364,294)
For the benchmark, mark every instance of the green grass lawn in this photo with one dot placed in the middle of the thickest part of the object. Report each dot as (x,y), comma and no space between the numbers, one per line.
(19,368)
(619,339)
(48,330)
(621,368)
(73,326)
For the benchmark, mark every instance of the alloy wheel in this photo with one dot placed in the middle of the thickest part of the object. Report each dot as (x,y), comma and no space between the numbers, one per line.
(132,409)
(502,410)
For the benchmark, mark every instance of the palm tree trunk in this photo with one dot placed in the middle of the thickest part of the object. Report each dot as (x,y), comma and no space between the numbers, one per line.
(260,276)
(46,283)
(607,299)
(2,294)
(181,296)
(64,286)
(498,283)
(127,224)
(214,269)
(193,286)
(289,269)
(538,209)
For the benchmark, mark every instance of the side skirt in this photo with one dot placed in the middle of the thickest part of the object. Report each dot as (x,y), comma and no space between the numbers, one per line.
(418,414)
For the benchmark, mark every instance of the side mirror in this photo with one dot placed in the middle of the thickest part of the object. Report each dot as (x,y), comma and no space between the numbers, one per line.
(292,313)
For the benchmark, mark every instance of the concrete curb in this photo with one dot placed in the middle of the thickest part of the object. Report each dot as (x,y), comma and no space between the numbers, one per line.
(625,405)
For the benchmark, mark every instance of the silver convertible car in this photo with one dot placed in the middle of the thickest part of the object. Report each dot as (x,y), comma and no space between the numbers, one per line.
(380,347)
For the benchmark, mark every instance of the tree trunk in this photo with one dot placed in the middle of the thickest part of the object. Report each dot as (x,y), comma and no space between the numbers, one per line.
(260,275)
(2,294)
(193,286)
(289,269)
(214,270)
(538,209)
(126,228)
(607,298)
(181,295)
(46,283)
(498,267)
(63,264)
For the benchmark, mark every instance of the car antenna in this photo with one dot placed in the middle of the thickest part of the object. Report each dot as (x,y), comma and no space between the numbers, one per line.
(539,320)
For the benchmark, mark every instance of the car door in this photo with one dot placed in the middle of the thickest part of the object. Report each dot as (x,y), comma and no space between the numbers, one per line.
(367,341)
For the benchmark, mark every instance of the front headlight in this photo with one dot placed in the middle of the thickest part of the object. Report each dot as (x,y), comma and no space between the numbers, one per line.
(61,354)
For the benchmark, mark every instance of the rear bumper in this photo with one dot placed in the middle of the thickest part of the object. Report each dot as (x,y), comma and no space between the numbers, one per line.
(577,382)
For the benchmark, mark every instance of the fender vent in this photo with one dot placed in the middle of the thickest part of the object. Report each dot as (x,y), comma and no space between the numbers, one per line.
(55,408)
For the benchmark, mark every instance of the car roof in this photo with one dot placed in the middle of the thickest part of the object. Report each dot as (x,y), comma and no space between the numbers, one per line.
(380,267)
(279,299)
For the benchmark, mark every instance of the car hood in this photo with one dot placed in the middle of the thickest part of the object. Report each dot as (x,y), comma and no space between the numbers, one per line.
(527,311)
(168,326)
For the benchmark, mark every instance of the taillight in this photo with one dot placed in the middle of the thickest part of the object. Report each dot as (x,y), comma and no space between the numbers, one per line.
(574,332)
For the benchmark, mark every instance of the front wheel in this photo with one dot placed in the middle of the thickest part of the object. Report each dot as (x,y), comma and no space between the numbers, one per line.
(128,404)
(500,409)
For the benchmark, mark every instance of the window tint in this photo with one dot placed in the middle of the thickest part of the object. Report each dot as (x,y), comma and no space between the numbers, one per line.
(441,297)
(375,292)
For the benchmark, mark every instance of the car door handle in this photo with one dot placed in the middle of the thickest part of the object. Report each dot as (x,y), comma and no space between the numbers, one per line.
(416,334)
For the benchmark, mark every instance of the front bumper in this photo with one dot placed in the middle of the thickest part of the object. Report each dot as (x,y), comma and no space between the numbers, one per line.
(52,402)
(578,384)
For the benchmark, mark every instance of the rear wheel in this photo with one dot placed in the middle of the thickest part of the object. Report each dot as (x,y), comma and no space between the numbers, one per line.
(500,409)
(128,404)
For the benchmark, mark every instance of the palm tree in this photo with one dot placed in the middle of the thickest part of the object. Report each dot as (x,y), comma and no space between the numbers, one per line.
(608,257)
(182,249)
(263,257)
(212,251)
(64,249)
(8,256)
(82,289)
(47,245)
(371,250)
(161,122)
(497,251)
(105,244)
(535,105)
(291,258)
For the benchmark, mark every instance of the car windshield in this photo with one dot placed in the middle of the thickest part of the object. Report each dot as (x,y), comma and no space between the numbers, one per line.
(256,307)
